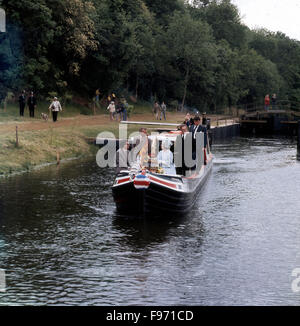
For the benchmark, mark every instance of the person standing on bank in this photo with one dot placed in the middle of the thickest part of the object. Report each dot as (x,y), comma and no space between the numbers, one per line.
(126,106)
(163,110)
(55,107)
(156,109)
(22,103)
(31,102)
(112,110)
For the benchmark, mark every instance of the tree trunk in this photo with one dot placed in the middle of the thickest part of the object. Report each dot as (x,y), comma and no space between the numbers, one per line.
(136,87)
(186,81)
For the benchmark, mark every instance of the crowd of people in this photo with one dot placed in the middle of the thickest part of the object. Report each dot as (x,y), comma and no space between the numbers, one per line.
(118,108)
(189,121)
(31,102)
(165,157)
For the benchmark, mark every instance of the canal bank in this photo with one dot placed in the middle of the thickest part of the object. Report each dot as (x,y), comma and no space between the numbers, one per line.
(36,149)
(34,144)
(219,133)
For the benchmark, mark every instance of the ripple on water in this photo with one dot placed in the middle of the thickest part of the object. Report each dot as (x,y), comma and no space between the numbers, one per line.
(65,244)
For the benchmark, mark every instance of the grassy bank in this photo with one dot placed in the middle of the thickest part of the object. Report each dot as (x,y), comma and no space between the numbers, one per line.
(11,113)
(40,142)
(37,147)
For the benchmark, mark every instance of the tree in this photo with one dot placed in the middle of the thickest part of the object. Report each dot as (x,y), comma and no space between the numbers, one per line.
(258,77)
(192,50)
(226,90)
(225,21)
(10,61)
(163,10)
(196,52)
(33,23)
(285,53)
(75,30)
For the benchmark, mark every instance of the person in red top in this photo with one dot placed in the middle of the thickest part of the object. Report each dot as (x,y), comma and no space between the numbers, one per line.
(267,102)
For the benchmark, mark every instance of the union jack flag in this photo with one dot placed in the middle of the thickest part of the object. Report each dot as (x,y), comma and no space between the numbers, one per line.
(141,181)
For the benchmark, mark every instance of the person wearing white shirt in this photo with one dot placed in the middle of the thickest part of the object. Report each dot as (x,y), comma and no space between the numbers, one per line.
(112,110)
(165,159)
(55,107)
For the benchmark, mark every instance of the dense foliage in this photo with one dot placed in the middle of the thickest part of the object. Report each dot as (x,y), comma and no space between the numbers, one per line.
(195,53)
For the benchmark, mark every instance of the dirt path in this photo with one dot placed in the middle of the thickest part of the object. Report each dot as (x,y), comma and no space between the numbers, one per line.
(62,123)
(78,121)
(82,121)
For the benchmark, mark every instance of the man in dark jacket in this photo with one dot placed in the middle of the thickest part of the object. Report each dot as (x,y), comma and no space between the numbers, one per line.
(204,119)
(22,103)
(31,104)
(197,127)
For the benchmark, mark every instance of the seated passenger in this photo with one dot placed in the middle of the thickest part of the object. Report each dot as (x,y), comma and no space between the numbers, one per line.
(122,159)
(184,129)
(165,159)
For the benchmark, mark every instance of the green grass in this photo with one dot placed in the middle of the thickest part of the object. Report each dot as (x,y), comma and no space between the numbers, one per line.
(37,147)
(69,110)
(12,111)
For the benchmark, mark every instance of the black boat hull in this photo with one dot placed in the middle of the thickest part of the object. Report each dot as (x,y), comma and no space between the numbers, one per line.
(159,199)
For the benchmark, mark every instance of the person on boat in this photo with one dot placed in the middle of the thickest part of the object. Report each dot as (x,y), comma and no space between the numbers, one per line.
(187,120)
(197,127)
(191,122)
(143,144)
(183,128)
(181,168)
(165,159)
(122,157)
(204,119)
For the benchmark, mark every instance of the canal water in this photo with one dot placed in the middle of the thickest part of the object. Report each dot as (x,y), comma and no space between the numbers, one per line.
(62,242)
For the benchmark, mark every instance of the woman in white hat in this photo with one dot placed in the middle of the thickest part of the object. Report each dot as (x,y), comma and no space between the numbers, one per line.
(165,158)
(55,107)
(112,110)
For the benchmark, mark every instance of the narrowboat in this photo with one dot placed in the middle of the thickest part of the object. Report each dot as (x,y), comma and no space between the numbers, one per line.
(153,189)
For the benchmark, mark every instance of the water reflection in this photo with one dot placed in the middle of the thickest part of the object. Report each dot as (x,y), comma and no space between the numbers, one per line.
(143,232)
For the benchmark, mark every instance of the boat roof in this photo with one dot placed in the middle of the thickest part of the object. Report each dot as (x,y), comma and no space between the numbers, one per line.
(171,135)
